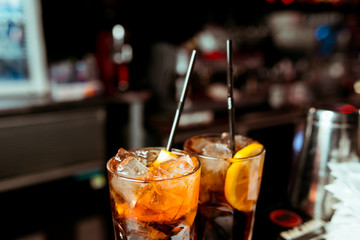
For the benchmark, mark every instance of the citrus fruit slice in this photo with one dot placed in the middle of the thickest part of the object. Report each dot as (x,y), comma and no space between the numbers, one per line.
(237,178)
(250,150)
(237,186)
(164,156)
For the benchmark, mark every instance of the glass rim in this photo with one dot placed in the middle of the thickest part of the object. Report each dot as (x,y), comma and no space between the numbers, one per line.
(218,135)
(196,169)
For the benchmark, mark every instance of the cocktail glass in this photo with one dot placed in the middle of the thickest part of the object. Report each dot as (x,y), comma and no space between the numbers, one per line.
(153,201)
(229,187)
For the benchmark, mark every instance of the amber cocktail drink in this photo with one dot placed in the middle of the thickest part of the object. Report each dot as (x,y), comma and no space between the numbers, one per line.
(230,185)
(154,193)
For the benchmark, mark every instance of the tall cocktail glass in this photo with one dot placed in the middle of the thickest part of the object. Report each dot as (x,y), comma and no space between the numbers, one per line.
(152,199)
(229,187)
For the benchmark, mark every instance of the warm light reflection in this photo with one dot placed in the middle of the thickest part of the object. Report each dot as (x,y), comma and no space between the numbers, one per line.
(336,70)
(357,86)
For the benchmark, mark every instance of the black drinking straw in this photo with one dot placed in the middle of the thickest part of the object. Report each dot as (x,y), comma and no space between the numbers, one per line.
(181,102)
(230,99)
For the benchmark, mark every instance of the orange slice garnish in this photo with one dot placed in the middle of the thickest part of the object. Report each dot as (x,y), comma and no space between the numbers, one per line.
(250,150)
(237,178)
(237,186)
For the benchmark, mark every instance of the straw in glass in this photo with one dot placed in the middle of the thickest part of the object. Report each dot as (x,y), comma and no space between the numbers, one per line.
(230,99)
(180,105)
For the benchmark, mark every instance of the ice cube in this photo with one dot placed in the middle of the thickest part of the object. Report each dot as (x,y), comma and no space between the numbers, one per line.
(217,150)
(139,230)
(158,174)
(175,168)
(124,191)
(181,232)
(225,137)
(182,165)
(241,142)
(120,153)
(132,167)
(199,144)
(151,156)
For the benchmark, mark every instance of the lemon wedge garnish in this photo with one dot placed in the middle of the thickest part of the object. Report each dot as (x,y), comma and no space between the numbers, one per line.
(164,156)
(237,178)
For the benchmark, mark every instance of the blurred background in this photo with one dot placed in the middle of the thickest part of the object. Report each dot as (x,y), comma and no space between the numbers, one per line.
(79,79)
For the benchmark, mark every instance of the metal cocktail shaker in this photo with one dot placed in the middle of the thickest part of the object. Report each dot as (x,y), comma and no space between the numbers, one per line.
(331,135)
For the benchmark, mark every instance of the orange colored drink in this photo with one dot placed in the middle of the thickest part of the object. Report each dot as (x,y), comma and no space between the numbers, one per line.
(153,196)
(230,185)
